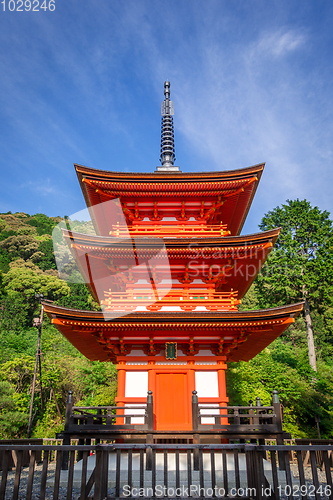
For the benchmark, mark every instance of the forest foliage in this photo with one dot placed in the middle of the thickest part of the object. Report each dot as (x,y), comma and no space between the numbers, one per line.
(27,267)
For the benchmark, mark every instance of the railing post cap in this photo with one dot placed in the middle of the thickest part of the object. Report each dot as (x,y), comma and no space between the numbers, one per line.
(258,401)
(150,397)
(70,397)
(194,397)
(275,396)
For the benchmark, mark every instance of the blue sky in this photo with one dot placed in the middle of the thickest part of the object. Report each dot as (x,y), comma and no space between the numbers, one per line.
(251,81)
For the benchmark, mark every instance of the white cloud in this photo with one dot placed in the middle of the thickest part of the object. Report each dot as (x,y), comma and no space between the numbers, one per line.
(44,187)
(278,43)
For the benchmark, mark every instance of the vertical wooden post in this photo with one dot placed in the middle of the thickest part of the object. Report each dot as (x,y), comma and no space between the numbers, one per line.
(252,420)
(98,474)
(67,436)
(99,422)
(278,422)
(38,323)
(277,410)
(258,403)
(256,417)
(236,417)
(195,411)
(150,411)
(250,471)
(69,406)
(149,436)
(105,472)
(195,425)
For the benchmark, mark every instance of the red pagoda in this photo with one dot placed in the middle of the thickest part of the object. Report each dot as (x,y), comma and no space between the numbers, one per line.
(170,275)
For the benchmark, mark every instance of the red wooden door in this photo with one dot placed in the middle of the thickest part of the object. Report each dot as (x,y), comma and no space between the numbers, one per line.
(172,402)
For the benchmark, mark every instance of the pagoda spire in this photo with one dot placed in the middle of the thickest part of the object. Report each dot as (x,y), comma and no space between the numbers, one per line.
(167,134)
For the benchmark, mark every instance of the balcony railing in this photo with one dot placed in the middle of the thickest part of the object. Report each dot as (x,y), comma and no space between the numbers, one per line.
(186,300)
(232,422)
(170,229)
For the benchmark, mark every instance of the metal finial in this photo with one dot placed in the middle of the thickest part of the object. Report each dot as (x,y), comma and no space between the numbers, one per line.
(167,134)
(167,89)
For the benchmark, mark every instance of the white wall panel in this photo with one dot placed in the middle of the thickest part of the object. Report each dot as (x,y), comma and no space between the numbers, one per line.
(136,384)
(206,384)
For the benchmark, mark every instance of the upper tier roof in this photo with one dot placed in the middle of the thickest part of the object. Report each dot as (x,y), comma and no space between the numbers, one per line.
(212,197)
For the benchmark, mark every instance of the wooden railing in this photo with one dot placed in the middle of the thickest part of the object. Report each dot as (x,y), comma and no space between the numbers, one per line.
(12,459)
(252,422)
(101,422)
(101,416)
(186,300)
(315,442)
(164,471)
(97,418)
(170,229)
(243,421)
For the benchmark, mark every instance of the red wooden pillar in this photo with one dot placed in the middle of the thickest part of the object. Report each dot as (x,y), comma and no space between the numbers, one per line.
(121,391)
(221,369)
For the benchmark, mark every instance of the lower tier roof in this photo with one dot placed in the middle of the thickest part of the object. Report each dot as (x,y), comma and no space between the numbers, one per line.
(238,335)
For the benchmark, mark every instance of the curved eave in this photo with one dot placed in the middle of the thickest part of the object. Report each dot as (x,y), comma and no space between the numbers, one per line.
(124,177)
(146,242)
(291,310)
(261,327)
(201,177)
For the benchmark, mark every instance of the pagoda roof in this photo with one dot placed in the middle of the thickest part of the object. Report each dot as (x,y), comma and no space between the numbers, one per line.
(89,331)
(227,195)
(190,242)
(234,255)
(168,176)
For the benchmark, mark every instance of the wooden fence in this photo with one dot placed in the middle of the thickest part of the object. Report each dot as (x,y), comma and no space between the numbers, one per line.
(101,418)
(253,422)
(163,471)
(248,422)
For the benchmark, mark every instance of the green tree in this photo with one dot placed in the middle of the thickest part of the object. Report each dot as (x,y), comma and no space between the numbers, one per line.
(283,367)
(78,298)
(250,300)
(46,259)
(20,246)
(12,421)
(300,266)
(26,279)
(42,223)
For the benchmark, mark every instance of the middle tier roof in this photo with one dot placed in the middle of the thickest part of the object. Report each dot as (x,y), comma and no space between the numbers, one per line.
(219,264)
